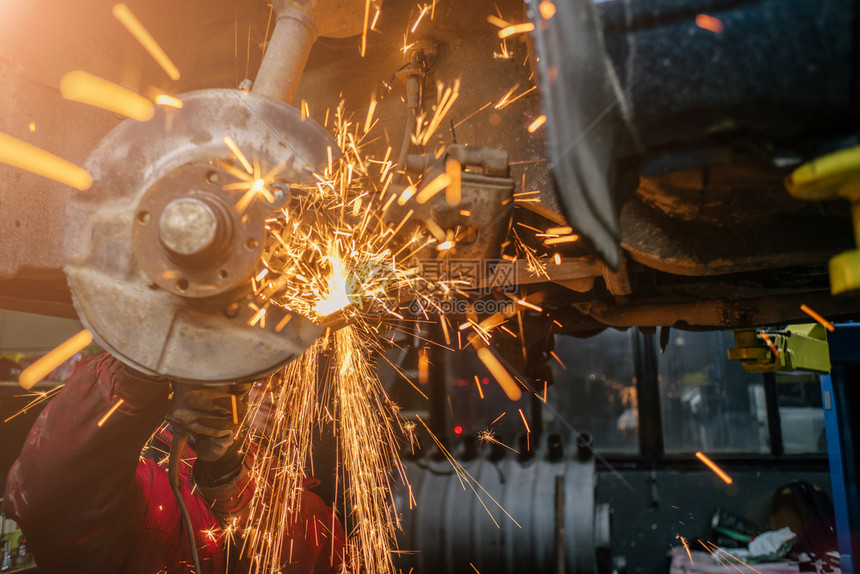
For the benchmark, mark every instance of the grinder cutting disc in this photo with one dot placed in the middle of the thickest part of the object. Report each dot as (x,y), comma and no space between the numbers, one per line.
(160,252)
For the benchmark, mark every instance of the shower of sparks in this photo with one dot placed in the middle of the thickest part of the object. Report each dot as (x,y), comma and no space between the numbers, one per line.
(330,256)
(467,479)
(122,13)
(480,390)
(507,100)
(560,230)
(487,436)
(687,548)
(824,322)
(38,398)
(53,359)
(112,410)
(88,89)
(717,470)
(24,156)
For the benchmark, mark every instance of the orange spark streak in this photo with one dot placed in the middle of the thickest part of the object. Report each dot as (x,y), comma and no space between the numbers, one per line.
(364,28)
(122,13)
(560,362)
(824,322)
(547,9)
(53,359)
(445,332)
(423,366)
(560,230)
(24,156)
(687,548)
(369,121)
(500,374)
(516,29)
(525,303)
(496,21)
(562,239)
(418,21)
(480,390)
(539,121)
(112,410)
(235,409)
(438,184)
(709,23)
(557,259)
(238,153)
(453,191)
(717,470)
(525,422)
(770,344)
(88,89)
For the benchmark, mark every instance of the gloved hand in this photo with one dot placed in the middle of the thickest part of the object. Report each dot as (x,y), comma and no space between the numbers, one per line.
(207,413)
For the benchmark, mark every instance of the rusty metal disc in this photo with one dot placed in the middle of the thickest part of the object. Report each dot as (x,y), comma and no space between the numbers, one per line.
(159,256)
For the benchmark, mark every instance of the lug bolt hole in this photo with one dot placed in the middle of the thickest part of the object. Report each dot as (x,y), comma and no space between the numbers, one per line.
(222,274)
(251,243)
(182,285)
(144,217)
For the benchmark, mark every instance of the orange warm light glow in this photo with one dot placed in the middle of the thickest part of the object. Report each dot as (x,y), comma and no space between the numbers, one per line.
(709,23)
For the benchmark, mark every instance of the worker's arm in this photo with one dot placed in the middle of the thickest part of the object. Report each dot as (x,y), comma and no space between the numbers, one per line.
(73,488)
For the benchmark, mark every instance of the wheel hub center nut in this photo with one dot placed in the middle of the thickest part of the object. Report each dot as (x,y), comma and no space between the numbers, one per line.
(188,227)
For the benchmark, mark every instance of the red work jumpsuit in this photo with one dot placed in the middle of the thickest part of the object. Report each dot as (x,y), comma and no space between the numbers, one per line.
(88,502)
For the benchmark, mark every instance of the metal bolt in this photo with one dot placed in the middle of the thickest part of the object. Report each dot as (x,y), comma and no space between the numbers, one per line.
(188,226)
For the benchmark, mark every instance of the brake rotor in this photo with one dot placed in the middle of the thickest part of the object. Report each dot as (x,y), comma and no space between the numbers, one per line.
(161,250)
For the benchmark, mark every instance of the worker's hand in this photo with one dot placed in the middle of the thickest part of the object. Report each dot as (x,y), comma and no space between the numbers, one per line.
(208,413)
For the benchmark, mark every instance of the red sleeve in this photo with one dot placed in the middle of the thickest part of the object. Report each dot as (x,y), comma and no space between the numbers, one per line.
(73,488)
(317,535)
